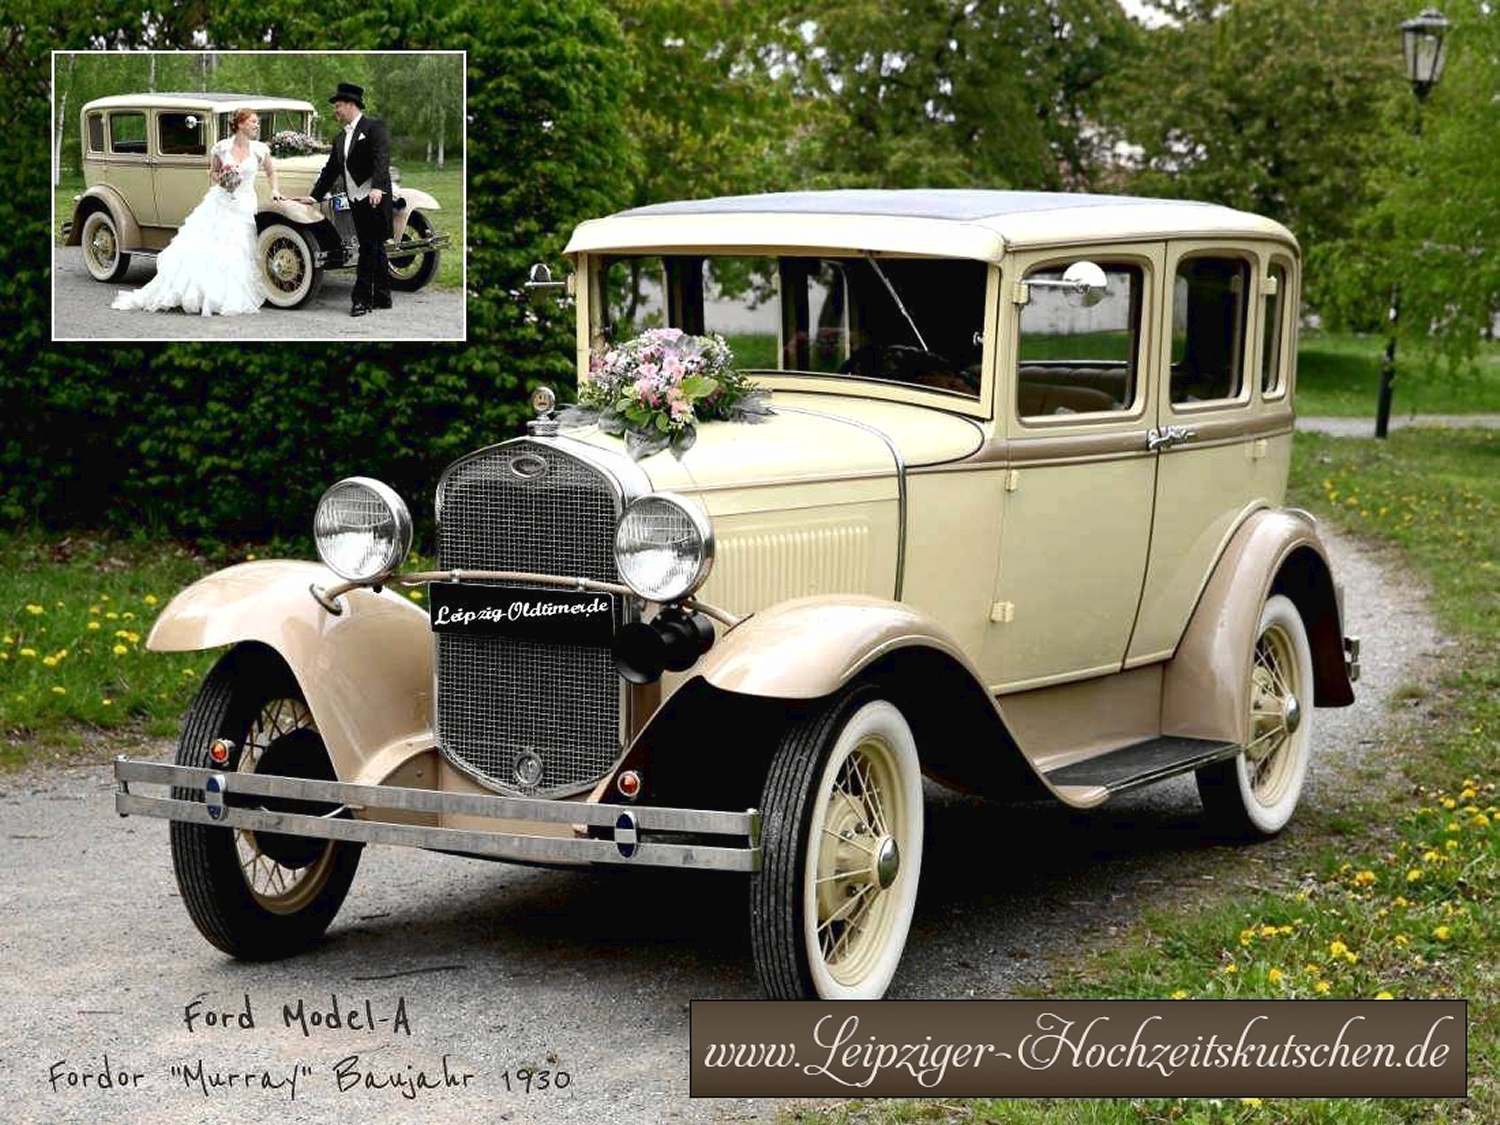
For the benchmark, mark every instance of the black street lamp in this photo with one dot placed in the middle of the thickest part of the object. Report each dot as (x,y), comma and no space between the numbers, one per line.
(1423,44)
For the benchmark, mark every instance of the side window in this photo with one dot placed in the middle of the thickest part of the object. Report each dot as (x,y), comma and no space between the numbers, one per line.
(127,133)
(1210,298)
(741,302)
(1270,354)
(181,134)
(96,132)
(1077,360)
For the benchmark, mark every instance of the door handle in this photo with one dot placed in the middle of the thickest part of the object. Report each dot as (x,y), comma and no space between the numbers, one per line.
(1168,435)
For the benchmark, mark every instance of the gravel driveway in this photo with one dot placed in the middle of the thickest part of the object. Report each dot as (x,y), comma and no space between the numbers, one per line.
(506,967)
(80,307)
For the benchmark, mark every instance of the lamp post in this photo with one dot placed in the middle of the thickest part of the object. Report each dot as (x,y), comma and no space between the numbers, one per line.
(1425,51)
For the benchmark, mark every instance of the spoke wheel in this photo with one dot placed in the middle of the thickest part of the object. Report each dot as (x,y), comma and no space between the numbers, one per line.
(102,253)
(841,852)
(289,272)
(258,896)
(1256,792)
(412,269)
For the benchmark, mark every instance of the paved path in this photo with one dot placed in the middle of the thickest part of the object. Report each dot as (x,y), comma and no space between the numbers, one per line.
(1365,427)
(504,967)
(81,312)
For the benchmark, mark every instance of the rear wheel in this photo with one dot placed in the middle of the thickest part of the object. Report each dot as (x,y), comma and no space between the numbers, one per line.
(102,253)
(1254,793)
(258,896)
(841,850)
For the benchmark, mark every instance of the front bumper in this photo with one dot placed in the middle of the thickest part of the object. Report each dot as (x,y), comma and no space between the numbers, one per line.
(706,839)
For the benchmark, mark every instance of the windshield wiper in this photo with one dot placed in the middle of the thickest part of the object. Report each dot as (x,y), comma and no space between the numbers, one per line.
(891,289)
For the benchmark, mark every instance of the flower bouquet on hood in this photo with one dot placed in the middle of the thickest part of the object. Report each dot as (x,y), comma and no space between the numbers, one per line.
(654,390)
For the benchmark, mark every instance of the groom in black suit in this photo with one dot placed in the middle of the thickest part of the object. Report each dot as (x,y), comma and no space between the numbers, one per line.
(360,167)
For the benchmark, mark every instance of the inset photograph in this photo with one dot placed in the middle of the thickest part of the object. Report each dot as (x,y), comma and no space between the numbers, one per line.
(279,195)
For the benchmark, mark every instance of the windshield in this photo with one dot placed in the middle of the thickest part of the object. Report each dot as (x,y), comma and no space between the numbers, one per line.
(914,321)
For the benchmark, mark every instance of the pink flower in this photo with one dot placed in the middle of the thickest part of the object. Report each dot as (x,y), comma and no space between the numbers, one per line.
(645,391)
(671,366)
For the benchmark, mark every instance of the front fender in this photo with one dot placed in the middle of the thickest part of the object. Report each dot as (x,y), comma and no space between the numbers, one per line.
(809,648)
(300,214)
(417,200)
(113,202)
(1206,683)
(366,673)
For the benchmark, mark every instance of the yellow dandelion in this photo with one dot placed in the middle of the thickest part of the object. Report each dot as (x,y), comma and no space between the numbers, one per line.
(150,599)
(1268,931)
(1322,986)
(28,652)
(1442,933)
(50,661)
(1414,875)
(1384,995)
(119,650)
(7,639)
(1451,845)
(1231,968)
(35,610)
(1468,794)
(1400,900)
(112,615)
(95,610)
(107,702)
(1431,856)
(1352,957)
(58,689)
(189,673)
(127,616)
(4,656)
(1311,969)
(1337,948)
(1449,803)
(1274,976)
(1247,936)
(1401,940)
(1284,929)
(1252,1102)
(1180,994)
(1365,878)
(1453,826)
(93,625)
(415,595)
(1479,821)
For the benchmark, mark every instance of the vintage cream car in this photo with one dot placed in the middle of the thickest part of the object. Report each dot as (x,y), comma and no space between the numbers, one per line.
(145,165)
(1015,526)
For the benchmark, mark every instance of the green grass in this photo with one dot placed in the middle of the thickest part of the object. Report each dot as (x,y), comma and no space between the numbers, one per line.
(1347,918)
(445,185)
(1339,374)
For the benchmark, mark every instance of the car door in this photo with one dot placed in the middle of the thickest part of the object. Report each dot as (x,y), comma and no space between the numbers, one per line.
(1077,401)
(128,163)
(1227,329)
(180,172)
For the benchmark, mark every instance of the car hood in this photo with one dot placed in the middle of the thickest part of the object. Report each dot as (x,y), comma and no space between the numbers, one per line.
(810,437)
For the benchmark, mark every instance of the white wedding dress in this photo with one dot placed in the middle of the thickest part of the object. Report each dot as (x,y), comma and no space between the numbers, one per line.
(209,267)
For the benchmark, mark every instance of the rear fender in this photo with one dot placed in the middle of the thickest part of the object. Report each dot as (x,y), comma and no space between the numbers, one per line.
(1206,683)
(366,673)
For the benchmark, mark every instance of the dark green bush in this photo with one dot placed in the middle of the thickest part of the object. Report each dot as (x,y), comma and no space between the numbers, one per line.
(209,441)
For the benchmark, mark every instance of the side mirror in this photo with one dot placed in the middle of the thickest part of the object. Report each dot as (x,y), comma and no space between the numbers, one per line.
(539,284)
(1083,281)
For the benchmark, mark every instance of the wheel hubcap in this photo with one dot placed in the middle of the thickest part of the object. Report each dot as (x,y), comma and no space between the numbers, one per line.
(1293,714)
(887,861)
(103,246)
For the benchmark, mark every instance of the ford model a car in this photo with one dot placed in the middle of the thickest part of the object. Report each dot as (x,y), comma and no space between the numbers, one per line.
(145,165)
(1013,522)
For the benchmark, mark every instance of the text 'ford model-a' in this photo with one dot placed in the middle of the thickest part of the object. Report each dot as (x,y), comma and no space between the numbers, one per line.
(858,487)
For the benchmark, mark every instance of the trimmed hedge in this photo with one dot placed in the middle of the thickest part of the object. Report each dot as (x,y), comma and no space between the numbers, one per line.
(204,441)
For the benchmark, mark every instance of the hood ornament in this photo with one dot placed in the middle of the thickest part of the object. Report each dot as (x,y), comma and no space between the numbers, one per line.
(544,402)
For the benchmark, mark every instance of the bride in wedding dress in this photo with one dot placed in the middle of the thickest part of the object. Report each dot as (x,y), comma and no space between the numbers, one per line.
(210,265)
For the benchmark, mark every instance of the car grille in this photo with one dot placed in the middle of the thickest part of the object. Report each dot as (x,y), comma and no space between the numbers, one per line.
(501,701)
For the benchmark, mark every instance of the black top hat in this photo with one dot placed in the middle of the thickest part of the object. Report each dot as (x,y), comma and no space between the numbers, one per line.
(349,92)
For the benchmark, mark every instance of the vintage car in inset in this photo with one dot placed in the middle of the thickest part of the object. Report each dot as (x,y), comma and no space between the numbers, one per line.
(145,166)
(1015,524)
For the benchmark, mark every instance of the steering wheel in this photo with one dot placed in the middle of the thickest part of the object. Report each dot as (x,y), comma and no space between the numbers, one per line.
(903,363)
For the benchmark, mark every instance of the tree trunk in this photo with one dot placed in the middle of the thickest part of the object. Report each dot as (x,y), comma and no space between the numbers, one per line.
(151,75)
(429,150)
(442,128)
(62,117)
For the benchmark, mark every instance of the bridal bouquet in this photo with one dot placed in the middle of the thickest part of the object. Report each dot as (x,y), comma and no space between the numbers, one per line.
(229,179)
(656,388)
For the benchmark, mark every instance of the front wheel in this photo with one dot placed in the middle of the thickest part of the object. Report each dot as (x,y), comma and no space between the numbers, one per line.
(841,852)
(258,896)
(411,270)
(288,266)
(1254,794)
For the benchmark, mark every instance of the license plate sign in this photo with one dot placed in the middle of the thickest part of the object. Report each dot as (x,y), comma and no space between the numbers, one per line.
(341,203)
(558,616)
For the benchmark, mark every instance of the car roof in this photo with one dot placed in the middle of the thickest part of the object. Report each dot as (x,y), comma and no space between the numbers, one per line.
(949,222)
(189,100)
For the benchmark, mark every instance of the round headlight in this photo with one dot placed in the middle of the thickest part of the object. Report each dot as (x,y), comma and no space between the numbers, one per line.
(664,547)
(362,529)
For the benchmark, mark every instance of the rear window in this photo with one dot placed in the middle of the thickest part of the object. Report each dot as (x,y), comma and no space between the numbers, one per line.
(96,132)
(1209,301)
(127,133)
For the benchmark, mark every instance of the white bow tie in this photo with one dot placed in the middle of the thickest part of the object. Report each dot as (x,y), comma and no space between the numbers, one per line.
(349,128)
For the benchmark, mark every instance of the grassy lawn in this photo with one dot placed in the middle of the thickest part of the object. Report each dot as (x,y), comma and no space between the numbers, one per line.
(446,185)
(1393,894)
(1339,374)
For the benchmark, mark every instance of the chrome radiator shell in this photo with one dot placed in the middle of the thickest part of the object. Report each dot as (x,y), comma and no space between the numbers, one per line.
(547,505)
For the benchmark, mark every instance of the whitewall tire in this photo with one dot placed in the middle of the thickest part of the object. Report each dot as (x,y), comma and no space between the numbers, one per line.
(841,849)
(102,252)
(288,268)
(1255,793)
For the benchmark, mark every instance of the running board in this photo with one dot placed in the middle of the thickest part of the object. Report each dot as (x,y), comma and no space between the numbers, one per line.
(1141,763)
